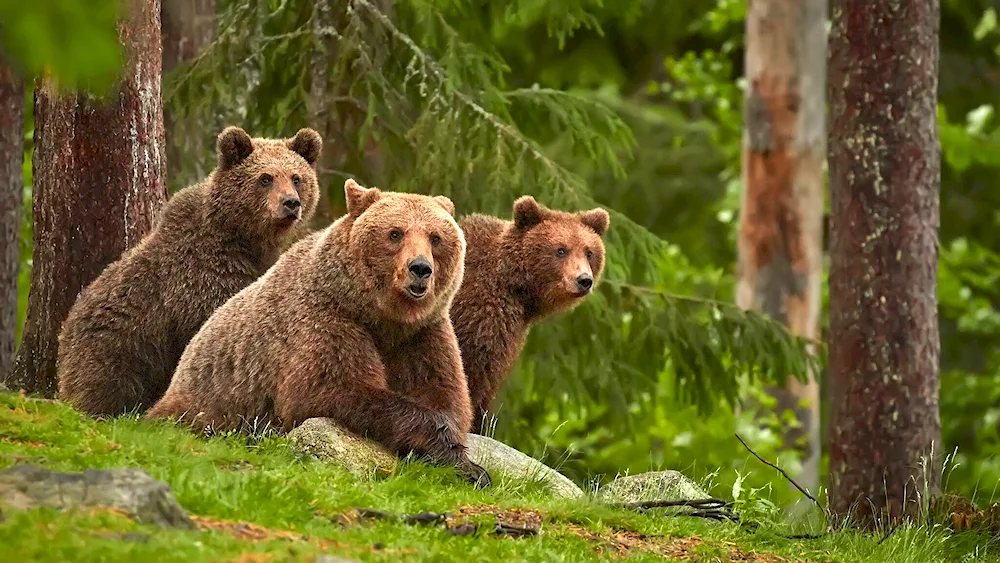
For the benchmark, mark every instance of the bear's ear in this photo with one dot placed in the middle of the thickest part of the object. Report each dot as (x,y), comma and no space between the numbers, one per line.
(527,213)
(597,219)
(446,203)
(307,143)
(359,198)
(233,146)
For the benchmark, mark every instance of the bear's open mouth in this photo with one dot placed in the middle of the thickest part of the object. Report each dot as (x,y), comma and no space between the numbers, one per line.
(417,291)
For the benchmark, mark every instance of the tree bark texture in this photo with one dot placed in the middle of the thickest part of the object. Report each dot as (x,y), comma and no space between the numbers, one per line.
(98,172)
(188,29)
(11,202)
(780,241)
(885,214)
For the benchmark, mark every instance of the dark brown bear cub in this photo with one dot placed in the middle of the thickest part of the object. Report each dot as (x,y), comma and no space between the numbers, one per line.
(126,331)
(516,274)
(350,324)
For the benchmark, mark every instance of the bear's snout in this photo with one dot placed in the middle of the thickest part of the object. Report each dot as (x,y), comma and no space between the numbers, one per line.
(291,207)
(420,270)
(584,282)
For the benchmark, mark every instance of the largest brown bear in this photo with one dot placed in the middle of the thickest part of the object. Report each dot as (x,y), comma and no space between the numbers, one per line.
(516,274)
(350,324)
(127,329)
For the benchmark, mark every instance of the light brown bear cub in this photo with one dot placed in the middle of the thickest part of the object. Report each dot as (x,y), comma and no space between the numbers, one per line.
(516,274)
(351,324)
(127,329)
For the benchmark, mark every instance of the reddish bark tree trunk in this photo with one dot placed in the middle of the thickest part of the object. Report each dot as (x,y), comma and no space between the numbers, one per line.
(11,201)
(780,237)
(885,213)
(98,182)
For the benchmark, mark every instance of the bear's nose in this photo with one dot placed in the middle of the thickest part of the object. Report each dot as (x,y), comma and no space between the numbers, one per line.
(290,205)
(420,268)
(585,282)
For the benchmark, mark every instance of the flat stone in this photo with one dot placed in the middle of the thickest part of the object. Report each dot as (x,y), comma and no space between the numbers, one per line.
(328,441)
(149,501)
(655,485)
(500,459)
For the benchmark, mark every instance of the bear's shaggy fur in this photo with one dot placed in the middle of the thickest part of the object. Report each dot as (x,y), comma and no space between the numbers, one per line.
(127,329)
(351,324)
(516,274)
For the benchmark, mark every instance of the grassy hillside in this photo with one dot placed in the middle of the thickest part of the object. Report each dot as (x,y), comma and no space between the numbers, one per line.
(258,500)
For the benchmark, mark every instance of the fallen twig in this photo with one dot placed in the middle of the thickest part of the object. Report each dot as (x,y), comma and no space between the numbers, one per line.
(711,508)
(783,474)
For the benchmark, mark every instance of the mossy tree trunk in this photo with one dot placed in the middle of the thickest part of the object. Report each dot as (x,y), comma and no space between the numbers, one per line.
(11,201)
(188,28)
(98,181)
(885,213)
(781,217)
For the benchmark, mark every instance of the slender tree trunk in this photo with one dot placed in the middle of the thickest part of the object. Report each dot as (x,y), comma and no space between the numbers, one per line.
(11,201)
(780,239)
(336,113)
(98,182)
(885,214)
(188,29)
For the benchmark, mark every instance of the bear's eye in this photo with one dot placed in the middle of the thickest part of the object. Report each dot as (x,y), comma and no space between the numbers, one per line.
(563,251)
(296,180)
(266,179)
(395,235)
(590,254)
(435,240)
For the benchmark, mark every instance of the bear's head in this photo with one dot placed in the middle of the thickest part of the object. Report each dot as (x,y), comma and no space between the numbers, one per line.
(561,254)
(267,186)
(409,248)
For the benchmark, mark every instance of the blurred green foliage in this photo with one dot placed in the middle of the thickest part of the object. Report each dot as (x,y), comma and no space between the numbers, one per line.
(636,106)
(75,42)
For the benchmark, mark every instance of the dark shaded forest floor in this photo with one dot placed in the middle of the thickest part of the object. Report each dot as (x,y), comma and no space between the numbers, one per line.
(255,499)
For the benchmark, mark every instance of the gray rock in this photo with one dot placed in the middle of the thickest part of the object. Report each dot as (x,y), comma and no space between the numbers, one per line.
(149,501)
(656,485)
(327,440)
(502,460)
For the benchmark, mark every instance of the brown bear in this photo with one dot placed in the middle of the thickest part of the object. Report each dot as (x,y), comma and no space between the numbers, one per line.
(516,274)
(351,324)
(127,329)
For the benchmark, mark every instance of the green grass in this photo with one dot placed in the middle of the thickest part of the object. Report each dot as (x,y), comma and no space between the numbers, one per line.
(264,482)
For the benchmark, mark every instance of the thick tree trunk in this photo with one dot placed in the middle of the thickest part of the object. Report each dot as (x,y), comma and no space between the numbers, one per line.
(188,29)
(885,214)
(98,182)
(11,201)
(780,237)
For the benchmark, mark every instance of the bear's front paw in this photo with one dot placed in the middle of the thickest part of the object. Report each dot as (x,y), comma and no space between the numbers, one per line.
(475,474)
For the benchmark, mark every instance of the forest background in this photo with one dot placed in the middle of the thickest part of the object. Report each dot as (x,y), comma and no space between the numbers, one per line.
(635,105)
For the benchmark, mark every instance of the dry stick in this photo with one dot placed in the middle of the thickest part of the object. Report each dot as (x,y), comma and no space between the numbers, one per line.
(783,474)
(711,508)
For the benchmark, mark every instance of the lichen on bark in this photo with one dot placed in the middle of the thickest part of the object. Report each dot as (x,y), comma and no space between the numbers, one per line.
(885,212)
